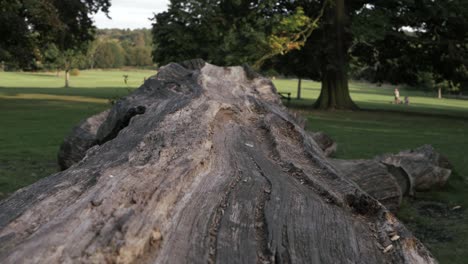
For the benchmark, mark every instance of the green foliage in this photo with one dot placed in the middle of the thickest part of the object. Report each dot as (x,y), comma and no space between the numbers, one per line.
(225,33)
(134,45)
(51,58)
(399,40)
(109,54)
(74,72)
(30,27)
(139,56)
(291,33)
(285,35)
(237,32)
(112,48)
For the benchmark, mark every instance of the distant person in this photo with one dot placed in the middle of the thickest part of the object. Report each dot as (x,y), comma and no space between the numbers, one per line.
(406,100)
(397,96)
(125,79)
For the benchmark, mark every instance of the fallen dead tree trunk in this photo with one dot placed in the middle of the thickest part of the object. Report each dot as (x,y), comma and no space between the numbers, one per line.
(390,176)
(423,167)
(82,138)
(373,178)
(202,164)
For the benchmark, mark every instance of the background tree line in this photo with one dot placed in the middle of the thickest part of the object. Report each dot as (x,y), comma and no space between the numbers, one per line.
(60,35)
(115,48)
(111,48)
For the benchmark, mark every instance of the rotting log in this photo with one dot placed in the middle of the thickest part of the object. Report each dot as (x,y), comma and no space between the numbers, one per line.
(373,178)
(202,164)
(423,167)
(390,176)
(83,137)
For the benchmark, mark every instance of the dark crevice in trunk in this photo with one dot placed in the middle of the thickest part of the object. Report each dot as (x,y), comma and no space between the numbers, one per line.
(285,256)
(264,253)
(363,204)
(216,218)
(303,179)
(289,130)
(123,123)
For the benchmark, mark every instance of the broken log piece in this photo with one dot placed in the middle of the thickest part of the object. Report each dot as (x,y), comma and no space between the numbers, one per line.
(419,169)
(424,167)
(82,138)
(402,178)
(434,157)
(207,167)
(374,178)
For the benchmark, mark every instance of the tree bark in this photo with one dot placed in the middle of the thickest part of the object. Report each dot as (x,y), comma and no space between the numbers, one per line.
(335,91)
(67,78)
(82,138)
(375,179)
(299,88)
(202,164)
(439,93)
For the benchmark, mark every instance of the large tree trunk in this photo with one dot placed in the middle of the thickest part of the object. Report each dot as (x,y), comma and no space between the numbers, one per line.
(299,88)
(335,91)
(202,164)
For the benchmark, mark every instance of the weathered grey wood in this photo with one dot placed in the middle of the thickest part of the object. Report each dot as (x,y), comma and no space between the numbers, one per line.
(202,164)
(82,138)
(387,177)
(325,142)
(424,167)
(374,178)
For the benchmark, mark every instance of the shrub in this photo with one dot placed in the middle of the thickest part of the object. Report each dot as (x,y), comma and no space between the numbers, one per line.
(74,72)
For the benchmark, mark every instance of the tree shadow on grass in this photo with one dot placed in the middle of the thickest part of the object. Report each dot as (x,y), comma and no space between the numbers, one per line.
(418,109)
(100,93)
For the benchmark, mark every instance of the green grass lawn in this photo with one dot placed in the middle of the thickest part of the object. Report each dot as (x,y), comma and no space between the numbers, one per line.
(370,96)
(37,114)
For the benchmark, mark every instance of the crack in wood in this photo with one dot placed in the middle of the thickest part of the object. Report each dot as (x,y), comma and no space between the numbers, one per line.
(264,254)
(216,218)
(303,179)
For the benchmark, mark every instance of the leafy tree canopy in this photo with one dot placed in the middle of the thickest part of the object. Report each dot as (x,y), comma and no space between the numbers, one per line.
(408,37)
(28,27)
(222,32)
(109,54)
(391,40)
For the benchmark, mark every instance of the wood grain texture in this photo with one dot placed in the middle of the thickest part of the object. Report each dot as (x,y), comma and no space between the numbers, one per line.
(424,167)
(373,178)
(202,164)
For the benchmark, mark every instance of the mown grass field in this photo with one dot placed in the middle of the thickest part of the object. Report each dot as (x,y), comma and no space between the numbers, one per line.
(37,114)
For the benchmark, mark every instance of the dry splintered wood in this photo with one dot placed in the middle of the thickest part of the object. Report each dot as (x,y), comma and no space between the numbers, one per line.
(202,164)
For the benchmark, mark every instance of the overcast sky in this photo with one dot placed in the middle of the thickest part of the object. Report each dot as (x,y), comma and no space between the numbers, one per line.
(130,13)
